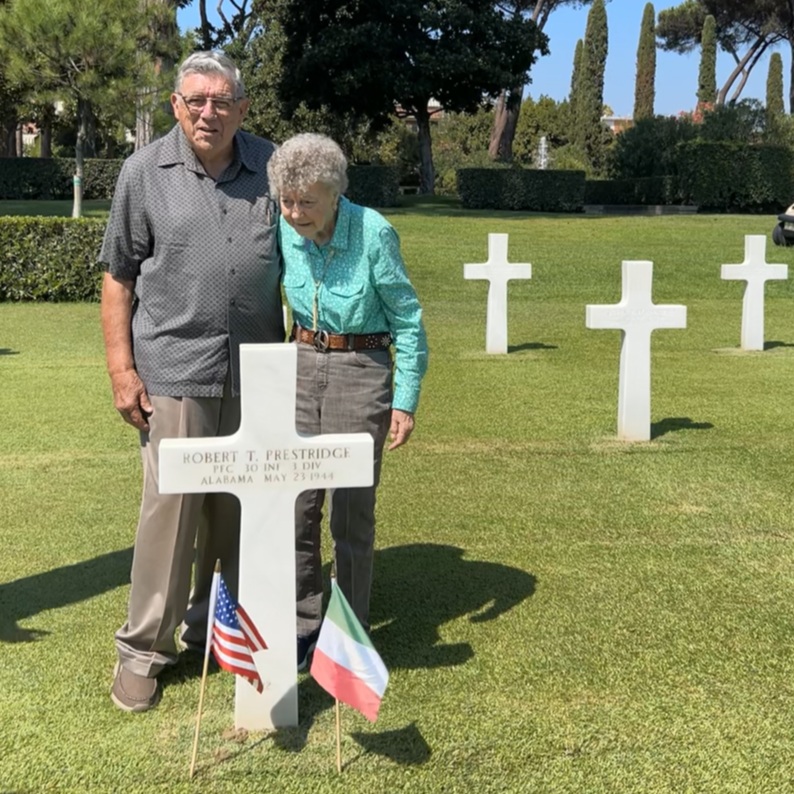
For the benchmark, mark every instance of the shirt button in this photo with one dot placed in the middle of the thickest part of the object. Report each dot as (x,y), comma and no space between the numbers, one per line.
(232,302)
(232,272)
(229,239)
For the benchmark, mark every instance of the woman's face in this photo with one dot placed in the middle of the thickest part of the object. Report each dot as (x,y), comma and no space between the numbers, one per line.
(311,212)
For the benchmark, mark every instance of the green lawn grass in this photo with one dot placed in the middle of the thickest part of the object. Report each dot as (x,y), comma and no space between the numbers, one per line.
(560,612)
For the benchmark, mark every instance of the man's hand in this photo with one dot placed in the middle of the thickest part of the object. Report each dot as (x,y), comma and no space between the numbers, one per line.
(402,425)
(131,399)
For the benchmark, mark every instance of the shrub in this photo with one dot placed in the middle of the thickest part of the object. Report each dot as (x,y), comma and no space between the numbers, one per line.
(50,259)
(736,177)
(373,185)
(460,140)
(649,148)
(51,178)
(521,189)
(648,190)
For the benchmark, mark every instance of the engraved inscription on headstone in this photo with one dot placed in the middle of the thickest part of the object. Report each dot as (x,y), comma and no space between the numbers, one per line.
(637,317)
(266,464)
(756,272)
(498,271)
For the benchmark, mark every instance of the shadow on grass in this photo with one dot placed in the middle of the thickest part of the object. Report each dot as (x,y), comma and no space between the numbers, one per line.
(70,584)
(771,345)
(6,351)
(673,423)
(417,589)
(530,346)
(189,665)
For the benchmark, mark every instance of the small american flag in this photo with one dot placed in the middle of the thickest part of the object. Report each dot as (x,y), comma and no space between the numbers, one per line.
(235,638)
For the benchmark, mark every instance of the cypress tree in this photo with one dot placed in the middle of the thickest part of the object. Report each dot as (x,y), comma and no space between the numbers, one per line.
(707,75)
(774,88)
(576,80)
(590,92)
(645,86)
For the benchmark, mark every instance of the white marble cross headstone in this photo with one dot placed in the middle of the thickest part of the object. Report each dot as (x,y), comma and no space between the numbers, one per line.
(498,271)
(266,464)
(756,272)
(636,316)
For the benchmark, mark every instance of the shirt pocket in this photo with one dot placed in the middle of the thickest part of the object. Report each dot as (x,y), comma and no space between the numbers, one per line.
(170,289)
(294,283)
(343,303)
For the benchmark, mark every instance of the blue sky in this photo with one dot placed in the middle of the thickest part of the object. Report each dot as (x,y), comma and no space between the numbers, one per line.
(676,75)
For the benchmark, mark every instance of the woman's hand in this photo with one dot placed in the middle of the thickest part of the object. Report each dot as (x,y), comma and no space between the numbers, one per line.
(402,425)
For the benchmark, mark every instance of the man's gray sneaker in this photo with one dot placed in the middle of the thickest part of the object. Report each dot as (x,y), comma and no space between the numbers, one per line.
(131,692)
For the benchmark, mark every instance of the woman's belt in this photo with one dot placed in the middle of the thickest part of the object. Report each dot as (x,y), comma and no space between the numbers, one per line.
(323,341)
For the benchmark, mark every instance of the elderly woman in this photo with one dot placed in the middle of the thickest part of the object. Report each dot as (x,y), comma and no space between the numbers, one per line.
(351,300)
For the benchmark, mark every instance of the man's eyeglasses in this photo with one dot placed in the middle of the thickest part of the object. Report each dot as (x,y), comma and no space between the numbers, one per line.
(196,102)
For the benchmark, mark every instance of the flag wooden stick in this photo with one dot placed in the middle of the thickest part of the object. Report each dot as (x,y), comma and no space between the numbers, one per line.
(338,738)
(210,621)
(338,709)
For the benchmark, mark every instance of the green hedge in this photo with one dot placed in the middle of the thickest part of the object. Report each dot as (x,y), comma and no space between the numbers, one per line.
(373,185)
(51,178)
(646,190)
(39,178)
(521,189)
(50,259)
(736,177)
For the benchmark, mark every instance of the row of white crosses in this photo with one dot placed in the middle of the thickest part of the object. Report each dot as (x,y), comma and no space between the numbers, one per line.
(267,463)
(636,316)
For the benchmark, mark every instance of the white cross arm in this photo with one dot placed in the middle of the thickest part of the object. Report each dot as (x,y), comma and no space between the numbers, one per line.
(497,269)
(266,453)
(754,269)
(636,312)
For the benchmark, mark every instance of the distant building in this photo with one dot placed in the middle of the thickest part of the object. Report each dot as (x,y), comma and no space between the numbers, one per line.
(618,124)
(433,108)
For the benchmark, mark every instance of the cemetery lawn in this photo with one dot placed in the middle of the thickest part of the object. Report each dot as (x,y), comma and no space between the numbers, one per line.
(559,611)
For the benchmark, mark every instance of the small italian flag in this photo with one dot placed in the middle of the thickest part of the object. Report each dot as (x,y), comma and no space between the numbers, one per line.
(345,663)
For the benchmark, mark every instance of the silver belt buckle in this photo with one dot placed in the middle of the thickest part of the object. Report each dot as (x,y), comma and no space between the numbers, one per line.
(321,341)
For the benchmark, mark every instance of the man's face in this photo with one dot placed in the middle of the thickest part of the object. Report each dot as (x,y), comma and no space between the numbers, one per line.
(208,127)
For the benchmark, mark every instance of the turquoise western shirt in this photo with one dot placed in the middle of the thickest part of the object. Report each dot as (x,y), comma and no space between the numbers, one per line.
(361,287)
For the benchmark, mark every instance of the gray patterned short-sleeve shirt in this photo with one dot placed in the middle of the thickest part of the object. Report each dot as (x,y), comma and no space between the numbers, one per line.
(203,255)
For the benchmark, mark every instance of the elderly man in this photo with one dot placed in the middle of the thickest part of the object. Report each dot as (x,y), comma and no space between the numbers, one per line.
(193,271)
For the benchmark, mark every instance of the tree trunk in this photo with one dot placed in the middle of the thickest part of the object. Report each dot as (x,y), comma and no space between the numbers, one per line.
(505,121)
(508,106)
(204,26)
(753,54)
(162,28)
(83,113)
(427,176)
(19,142)
(499,124)
(9,141)
(144,117)
(46,133)
(791,78)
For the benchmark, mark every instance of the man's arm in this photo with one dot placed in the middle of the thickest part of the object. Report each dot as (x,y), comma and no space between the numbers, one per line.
(129,393)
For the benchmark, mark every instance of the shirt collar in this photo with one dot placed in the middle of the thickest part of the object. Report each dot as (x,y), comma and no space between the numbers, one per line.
(175,149)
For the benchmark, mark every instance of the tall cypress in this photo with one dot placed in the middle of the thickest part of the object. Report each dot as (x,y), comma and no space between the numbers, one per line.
(576,81)
(707,74)
(645,86)
(590,99)
(774,88)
